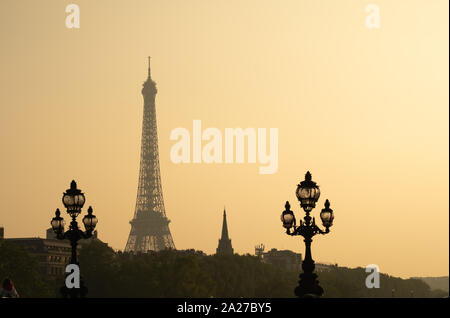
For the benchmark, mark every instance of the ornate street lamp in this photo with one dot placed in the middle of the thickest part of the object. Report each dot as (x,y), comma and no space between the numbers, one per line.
(308,193)
(73,200)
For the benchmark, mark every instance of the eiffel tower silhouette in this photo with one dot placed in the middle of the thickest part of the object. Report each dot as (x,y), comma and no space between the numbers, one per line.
(150,226)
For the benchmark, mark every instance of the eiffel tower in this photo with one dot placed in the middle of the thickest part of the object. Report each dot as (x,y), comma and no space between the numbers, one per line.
(150,226)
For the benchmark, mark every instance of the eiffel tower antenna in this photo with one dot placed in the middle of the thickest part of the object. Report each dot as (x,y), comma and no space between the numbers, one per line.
(149,73)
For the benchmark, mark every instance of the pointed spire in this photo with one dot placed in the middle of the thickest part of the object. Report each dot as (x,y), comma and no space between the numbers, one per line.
(224,247)
(224,226)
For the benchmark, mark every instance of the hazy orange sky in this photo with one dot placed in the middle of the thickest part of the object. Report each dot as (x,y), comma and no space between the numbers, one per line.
(365,110)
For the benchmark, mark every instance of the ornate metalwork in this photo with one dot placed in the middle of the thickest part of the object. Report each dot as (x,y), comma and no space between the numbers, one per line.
(150,226)
(307,193)
(73,199)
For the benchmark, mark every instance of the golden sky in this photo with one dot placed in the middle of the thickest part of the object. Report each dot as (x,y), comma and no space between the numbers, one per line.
(365,110)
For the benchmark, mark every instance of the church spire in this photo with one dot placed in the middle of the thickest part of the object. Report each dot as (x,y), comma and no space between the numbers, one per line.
(224,247)
(224,226)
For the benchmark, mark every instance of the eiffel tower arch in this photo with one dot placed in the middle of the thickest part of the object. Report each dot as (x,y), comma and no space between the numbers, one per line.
(150,226)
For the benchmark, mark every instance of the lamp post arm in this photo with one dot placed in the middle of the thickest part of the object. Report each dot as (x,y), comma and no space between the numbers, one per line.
(79,234)
(294,232)
(320,231)
(86,235)
(303,230)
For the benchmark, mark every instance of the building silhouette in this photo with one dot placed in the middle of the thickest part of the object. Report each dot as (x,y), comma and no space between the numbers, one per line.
(325,267)
(284,259)
(224,247)
(288,260)
(150,226)
(52,254)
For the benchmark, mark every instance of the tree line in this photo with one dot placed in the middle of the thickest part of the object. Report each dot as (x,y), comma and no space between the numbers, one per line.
(192,274)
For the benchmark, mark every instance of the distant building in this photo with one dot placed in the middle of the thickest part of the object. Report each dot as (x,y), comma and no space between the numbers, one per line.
(52,254)
(259,250)
(288,260)
(322,267)
(284,259)
(224,247)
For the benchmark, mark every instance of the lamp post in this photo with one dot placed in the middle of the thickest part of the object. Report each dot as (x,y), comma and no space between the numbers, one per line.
(73,200)
(307,193)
